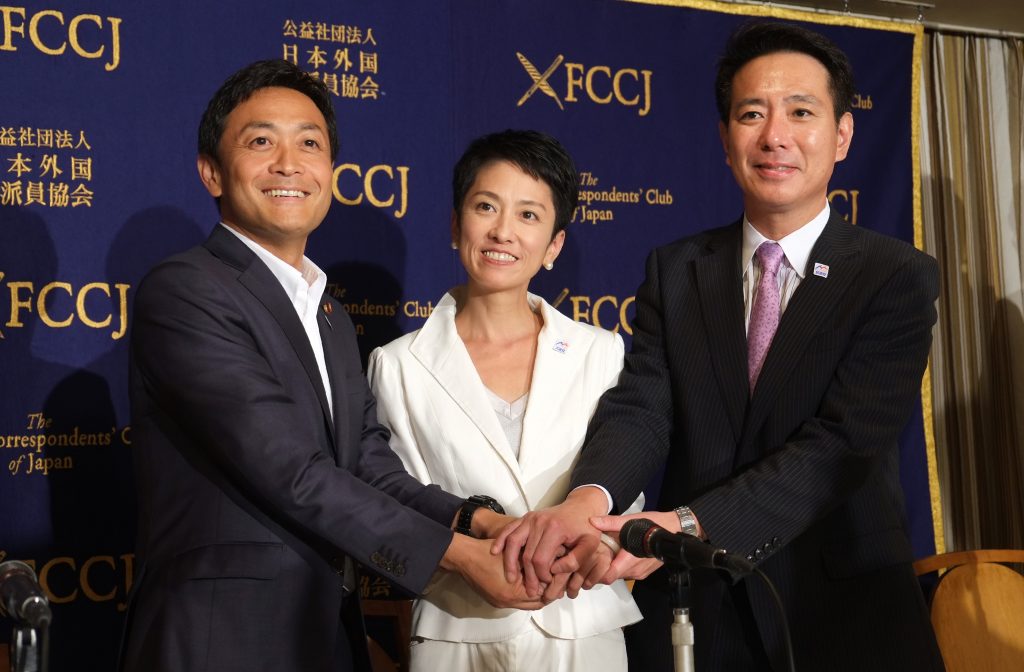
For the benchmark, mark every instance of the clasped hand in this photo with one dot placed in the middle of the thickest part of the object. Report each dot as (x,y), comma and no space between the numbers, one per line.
(558,551)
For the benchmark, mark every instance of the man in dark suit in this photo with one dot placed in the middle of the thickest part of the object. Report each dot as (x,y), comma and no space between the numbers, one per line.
(261,470)
(775,362)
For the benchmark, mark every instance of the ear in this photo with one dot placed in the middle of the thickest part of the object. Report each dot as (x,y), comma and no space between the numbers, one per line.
(456,230)
(555,247)
(209,173)
(723,135)
(844,136)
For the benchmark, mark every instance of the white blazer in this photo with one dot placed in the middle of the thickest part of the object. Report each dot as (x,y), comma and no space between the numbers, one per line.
(445,430)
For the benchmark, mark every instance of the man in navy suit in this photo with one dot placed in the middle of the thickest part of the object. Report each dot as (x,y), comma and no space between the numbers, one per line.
(262,473)
(772,385)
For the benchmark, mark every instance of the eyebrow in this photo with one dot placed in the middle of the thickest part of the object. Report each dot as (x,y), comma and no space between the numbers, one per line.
(304,126)
(525,201)
(795,98)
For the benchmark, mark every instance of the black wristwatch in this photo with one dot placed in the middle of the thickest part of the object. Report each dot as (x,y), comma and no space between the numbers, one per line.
(465,522)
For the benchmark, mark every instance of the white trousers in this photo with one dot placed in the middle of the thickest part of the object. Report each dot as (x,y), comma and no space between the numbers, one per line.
(531,651)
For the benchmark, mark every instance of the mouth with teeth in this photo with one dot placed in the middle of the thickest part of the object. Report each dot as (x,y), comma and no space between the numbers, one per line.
(501,257)
(775,169)
(285,193)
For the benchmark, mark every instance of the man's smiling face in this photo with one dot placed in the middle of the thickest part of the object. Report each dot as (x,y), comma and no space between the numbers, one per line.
(273,170)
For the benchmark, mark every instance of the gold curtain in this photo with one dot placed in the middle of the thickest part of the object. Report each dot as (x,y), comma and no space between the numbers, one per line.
(972,148)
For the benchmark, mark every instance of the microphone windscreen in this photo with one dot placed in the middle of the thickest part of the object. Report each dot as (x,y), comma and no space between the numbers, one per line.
(632,535)
(14,575)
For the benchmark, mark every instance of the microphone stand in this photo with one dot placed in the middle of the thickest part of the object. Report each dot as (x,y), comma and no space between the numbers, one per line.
(29,649)
(682,628)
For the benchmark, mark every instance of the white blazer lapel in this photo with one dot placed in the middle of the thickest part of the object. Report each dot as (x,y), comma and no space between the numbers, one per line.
(440,350)
(553,415)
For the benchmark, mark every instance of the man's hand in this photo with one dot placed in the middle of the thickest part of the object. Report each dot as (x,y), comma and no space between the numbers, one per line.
(556,589)
(487,524)
(538,539)
(626,565)
(472,559)
(604,555)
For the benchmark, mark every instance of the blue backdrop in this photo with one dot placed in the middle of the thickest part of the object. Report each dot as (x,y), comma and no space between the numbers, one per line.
(101,101)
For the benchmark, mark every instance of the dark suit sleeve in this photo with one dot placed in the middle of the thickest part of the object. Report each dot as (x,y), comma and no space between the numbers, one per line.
(855,430)
(637,413)
(209,362)
(381,467)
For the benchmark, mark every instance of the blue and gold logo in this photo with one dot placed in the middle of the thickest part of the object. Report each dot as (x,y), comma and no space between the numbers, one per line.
(382,186)
(60,33)
(599,84)
(58,305)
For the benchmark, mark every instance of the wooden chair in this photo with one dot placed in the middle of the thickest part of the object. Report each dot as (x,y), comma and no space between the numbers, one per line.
(977,609)
(399,614)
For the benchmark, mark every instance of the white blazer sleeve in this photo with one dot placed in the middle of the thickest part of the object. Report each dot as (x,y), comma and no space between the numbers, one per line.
(385,377)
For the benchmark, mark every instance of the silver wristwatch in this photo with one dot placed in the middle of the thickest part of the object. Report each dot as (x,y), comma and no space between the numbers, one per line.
(687,521)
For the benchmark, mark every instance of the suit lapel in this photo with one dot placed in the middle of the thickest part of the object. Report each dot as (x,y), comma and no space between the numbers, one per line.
(261,283)
(336,378)
(440,350)
(813,301)
(720,287)
(561,348)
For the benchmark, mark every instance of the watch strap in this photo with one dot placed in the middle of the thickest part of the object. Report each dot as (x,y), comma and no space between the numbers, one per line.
(464,524)
(687,521)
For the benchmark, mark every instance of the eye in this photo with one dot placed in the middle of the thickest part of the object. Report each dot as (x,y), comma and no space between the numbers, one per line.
(749,115)
(260,141)
(531,215)
(484,206)
(311,143)
(803,112)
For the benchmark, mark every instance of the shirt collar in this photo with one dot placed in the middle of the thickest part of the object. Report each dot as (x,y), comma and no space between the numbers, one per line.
(299,285)
(797,246)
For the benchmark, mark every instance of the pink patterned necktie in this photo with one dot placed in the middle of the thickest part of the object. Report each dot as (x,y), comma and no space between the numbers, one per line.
(764,318)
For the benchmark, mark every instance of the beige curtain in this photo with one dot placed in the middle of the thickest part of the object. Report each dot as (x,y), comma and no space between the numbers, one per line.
(972,155)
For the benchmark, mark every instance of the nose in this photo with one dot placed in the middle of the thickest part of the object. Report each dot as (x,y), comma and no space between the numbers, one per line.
(286,161)
(502,231)
(774,131)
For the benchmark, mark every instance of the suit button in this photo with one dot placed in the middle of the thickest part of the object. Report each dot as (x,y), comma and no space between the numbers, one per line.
(758,554)
(750,558)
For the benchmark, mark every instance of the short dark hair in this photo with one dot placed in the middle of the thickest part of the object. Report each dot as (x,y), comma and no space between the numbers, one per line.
(758,38)
(240,86)
(537,154)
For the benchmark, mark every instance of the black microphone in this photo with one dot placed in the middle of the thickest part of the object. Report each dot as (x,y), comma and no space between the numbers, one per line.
(21,597)
(644,539)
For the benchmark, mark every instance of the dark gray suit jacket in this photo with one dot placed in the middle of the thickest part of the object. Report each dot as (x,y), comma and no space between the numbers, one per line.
(802,477)
(250,496)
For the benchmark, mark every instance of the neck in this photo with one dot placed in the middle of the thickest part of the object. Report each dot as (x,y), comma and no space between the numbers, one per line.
(290,250)
(776,225)
(494,317)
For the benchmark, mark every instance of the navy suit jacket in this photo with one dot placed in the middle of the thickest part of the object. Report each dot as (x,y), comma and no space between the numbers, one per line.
(250,495)
(802,476)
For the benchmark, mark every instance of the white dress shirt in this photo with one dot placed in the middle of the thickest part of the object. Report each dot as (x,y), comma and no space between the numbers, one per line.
(305,289)
(797,248)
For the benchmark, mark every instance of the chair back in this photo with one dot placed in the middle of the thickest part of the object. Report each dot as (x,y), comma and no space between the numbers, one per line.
(978,610)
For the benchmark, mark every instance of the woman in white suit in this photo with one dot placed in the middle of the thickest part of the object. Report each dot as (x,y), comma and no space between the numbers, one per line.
(493,395)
